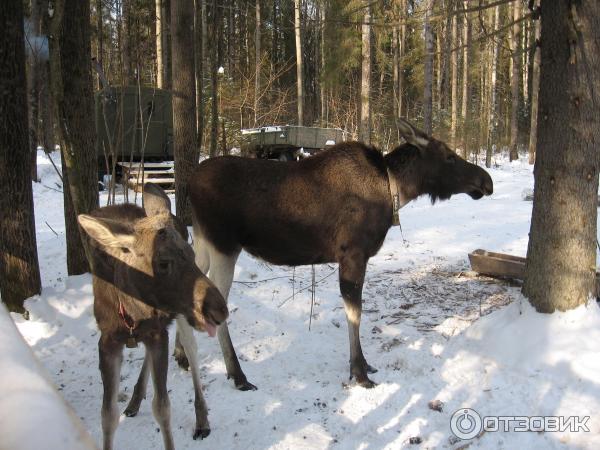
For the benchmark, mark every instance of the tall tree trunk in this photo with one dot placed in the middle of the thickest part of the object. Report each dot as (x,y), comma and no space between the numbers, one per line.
(364,134)
(159,30)
(126,39)
(535,87)
(299,66)
(214,61)
(34,80)
(466,125)
(561,256)
(19,269)
(525,64)
(398,39)
(491,133)
(257,61)
(454,82)
(322,82)
(514,83)
(100,39)
(199,71)
(72,87)
(428,85)
(186,151)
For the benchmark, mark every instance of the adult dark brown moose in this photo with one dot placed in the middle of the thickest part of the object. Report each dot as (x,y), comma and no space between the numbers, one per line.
(143,277)
(333,207)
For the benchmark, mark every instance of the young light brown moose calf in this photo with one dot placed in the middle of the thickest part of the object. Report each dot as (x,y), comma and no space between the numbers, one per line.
(143,277)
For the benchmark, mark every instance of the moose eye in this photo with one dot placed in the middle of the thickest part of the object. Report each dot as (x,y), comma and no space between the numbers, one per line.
(162,233)
(451,159)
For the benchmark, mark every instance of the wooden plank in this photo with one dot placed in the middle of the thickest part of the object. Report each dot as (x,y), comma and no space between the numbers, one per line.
(148,165)
(151,172)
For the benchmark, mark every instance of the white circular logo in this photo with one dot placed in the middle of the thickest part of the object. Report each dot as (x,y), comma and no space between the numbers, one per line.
(465,423)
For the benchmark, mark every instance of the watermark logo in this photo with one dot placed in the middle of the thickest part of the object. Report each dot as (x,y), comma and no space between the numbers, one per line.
(467,423)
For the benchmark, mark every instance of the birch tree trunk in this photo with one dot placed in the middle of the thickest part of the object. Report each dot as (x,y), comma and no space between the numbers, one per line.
(159,26)
(257,61)
(19,269)
(299,59)
(364,134)
(561,256)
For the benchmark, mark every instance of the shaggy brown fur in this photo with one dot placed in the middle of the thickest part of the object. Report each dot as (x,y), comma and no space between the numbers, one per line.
(333,207)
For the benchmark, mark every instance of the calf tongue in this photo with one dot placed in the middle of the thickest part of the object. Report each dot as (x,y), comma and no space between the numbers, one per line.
(210,328)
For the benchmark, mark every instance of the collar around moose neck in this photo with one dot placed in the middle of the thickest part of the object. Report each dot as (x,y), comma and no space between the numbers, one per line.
(395,195)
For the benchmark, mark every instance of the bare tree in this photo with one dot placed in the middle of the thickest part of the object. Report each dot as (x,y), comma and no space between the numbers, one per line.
(466,42)
(561,256)
(186,151)
(492,107)
(19,269)
(257,60)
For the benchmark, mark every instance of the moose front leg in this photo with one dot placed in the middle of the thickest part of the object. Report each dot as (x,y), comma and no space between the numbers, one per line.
(352,275)
(111,356)
(157,348)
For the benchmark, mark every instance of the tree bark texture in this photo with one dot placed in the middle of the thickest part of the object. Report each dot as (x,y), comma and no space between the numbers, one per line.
(428,85)
(72,87)
(185,149)
(299,58)
(19,269)
(364,134)
(561,256)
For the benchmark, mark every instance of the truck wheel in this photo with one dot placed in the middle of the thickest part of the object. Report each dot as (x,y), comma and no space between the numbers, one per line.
(285,156)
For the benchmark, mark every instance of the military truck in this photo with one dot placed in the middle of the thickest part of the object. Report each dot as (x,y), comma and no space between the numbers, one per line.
(124,134)
(288,143)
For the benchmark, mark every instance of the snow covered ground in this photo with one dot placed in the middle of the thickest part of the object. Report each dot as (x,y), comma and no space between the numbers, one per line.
(435,332)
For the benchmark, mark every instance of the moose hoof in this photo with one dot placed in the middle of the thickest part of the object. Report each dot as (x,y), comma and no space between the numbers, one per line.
(131,411)
(371,369)
(201,433)
(182,360)
(366,383)
(245,386)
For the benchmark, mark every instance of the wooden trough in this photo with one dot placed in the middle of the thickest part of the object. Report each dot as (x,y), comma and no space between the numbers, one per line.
(502,265)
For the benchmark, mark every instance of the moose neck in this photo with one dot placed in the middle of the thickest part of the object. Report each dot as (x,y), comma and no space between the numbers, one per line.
(399,162)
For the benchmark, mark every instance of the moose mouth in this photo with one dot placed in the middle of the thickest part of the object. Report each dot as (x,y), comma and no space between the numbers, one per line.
(476,194)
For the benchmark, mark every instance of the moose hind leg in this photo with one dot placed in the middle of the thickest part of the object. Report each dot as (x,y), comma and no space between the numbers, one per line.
(352,275)
(139,391)
(111,357)
(158,350)
(221,274)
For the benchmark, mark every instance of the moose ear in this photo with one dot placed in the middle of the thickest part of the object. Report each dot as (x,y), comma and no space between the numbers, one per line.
(412,135)
(107,232)
(155,200)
